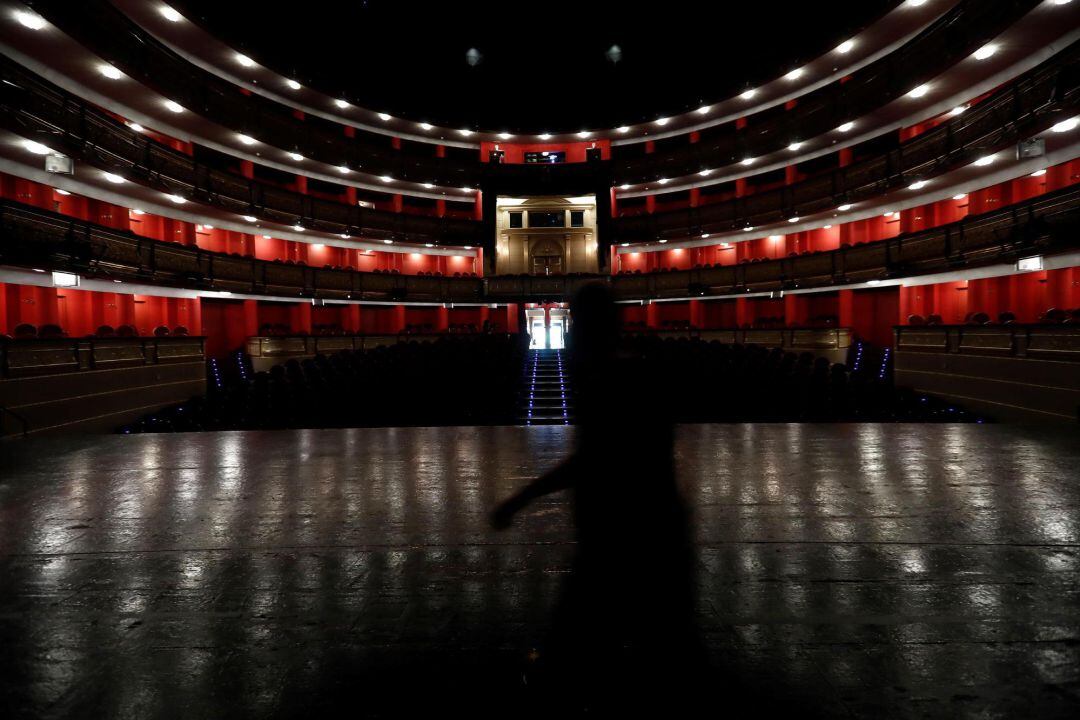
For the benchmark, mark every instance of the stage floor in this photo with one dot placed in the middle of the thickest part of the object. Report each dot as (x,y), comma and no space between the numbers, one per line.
(861,570)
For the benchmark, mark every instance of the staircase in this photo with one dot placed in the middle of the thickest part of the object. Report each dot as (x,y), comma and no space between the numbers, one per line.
(545,390)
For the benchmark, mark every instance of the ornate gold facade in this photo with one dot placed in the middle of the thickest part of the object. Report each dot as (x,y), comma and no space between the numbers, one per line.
(546,250)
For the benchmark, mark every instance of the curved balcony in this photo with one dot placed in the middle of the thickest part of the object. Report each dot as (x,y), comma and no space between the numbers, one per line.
(36,238)
(35,109)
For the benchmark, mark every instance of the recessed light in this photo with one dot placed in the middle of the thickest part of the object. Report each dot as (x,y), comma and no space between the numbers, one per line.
(662,121)
(170,14)
(388,242)
(748,228)
(343,169)
(661,241)
(794,146)
(663,181)
(246,139)
(793,219)
(465,131)
(65,192)
(958,110)
(623,129)
(624,187)
(387,179)
(468,247)
(341,103)
(845,47)
(747,161)
(265,237)
(919,91)
(29,20)
(888,213)
(176,199)
(428,186)
(505,136)
(36,147)
(136,211)
(985,51)
(844,208)
(244,60)
(298,228)
(747,94)
(918,185)
(1066,125)
(626,245)
(704,110)
(136,127)
(1039,173)
(961,196)
(846,126)
(826,227)
(249,218)
(1062,2)
(113,178)
(794,74)
(984,160)
(174,106)
(426,126)
(466,189)
(296,156)
(292,84)
(705,173)
(384,117)
(429,244)
(109,71)
(704,235)
(345,236)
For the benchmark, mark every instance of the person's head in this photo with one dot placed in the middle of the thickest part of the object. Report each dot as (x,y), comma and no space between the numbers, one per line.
(594,328)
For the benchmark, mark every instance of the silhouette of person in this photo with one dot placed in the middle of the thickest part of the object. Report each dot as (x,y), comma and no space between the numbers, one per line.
(624,632)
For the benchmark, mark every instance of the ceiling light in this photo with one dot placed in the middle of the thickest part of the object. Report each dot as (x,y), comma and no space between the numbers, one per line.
(917,3)
(429,244)
(985,51)
(626,245)
(704,235)
(341,103)
(844,208)
(110,72)
(704,110)
(113,178)
(29,20)
(244,60)
(544,136)
(794,146)
(246,139)
(919,91)
(1039,173)
(663,181)
(958,110)
(386,179)
(384,117)
(984,160)
(845,47)
(706,172)
(961,196)
(292,84)
(388,242)
(136,211)
(296,156)
(345,236)
(624,187)
(1066,125)
(1062,2)
(505,136)
(846,126)
(747,161)
(136,127)
(174,106)
(468,247)
(888,213)
(170,14)
(584,134)
(428,186)
(249,218)
(661,241)
(793,219)
(747,94)
(176,199)
(794,74)
(208,227)
(36,147)
(298,228)
(466,189)
(826,227)
(917,185)
(465,131)
(265,237)
(622,129)
(343,169)
(748,228)
(65,192)
(662,121)
(426,126)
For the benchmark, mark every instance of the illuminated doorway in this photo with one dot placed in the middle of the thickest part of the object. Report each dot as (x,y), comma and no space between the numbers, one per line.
(548,325)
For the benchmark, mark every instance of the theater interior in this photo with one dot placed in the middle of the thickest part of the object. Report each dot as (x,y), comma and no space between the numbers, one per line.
(390,359)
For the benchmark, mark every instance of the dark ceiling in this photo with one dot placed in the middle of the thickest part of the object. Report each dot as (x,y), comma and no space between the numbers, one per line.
(542,67)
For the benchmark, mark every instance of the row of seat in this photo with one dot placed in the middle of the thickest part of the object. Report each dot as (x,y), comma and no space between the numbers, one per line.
(1052,316)
(28,331)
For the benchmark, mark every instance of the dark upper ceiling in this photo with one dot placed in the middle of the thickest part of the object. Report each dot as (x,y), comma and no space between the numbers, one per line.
(540,69)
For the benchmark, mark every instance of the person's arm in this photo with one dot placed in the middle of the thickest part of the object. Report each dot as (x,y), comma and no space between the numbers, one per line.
(559,478)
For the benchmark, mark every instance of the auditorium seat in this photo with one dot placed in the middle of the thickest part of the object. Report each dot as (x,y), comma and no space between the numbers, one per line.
(161,331)
(51,331)
(105,331)
(25,331)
